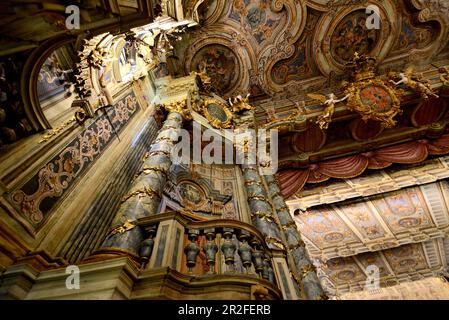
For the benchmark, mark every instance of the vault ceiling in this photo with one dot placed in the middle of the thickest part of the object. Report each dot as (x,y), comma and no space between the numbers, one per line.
(274,48)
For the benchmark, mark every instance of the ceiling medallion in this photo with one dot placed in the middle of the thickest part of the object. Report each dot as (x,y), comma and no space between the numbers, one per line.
(191,195)
(217,113)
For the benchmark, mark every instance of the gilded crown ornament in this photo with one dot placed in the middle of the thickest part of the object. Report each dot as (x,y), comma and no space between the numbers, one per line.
(369,95)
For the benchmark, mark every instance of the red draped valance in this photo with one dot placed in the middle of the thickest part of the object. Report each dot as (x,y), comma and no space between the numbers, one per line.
(293,180)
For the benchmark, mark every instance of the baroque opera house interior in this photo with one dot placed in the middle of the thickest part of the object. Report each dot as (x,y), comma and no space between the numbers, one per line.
(224,150)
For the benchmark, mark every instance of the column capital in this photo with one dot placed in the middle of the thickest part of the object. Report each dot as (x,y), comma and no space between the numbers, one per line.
(180,107)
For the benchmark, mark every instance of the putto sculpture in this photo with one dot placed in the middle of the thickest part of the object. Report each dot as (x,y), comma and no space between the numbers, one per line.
(409,79)
(330,101)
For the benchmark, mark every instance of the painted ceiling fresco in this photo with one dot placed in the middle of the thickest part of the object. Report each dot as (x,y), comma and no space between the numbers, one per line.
(296,46)
(375,223)
(398,265)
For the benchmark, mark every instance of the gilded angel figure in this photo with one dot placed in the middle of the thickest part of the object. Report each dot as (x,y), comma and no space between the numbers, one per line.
(330,101)
(407,78)
(240,103)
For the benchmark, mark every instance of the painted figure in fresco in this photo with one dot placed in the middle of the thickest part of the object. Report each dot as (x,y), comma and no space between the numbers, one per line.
(330,101)
(407,78)
(190,193)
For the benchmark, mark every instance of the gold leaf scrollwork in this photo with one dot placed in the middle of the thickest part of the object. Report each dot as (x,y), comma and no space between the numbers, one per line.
(275,241)
(151,169)
(255,183)
(267,216)
(127,226)
(256,197)
(54,132)
(159,152)
(289,225)
(240,104)
(179,107)
(146,192)
(306,270)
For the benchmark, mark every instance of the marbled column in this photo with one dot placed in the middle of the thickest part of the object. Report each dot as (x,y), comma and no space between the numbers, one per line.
(310,283)
(145,194)
(261,210)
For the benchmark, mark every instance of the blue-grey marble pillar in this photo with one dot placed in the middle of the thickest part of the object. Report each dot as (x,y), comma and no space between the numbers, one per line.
(261,210)
(145,194)
(310,283)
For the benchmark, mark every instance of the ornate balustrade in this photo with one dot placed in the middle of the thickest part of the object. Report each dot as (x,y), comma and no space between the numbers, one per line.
(205,248)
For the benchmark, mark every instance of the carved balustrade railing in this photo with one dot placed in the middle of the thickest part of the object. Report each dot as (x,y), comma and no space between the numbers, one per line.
(205,248)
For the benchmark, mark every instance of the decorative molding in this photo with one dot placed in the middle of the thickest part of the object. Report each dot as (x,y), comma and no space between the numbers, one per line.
(35,199)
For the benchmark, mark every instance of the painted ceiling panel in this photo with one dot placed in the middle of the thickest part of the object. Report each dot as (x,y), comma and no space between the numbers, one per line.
(289,46)
(374,223)
(398,265)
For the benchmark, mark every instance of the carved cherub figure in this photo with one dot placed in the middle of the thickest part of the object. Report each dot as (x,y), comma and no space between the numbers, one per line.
(444,76)
(407,78)
(330,101)
(239,103)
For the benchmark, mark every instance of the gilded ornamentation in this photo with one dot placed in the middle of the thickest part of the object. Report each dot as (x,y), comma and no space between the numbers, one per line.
(409,79)
(368,95)
(306,270)
(374,100)
(240,104)
(250,183)
(326,118)
(151,169)
(263,216)
(127,226)
(205,82)
(179,107)
(145,192)
(277,242)
(54,132)
(217,113)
